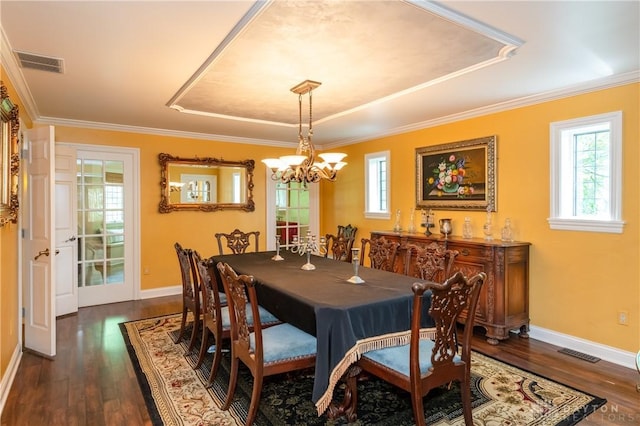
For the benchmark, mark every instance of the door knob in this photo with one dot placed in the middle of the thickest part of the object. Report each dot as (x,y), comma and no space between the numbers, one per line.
(42,252)
(73,238)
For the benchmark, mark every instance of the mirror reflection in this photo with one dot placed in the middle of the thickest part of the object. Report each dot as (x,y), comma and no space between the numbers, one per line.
(206,184)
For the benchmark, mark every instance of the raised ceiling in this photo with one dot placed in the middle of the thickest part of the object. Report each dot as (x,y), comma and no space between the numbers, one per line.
(223,70)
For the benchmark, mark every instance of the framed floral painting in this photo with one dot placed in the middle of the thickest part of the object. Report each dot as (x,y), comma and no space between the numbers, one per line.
(458,175)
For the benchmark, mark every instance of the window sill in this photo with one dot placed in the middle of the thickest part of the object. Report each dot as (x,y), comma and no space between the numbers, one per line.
(377,215)
(587,225)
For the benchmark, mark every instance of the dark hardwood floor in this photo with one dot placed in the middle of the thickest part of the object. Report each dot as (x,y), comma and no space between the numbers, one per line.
(91,381)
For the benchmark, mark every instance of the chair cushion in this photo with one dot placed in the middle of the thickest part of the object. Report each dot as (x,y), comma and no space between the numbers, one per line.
(266,317)
(223,297)
(397,357)
(284,341)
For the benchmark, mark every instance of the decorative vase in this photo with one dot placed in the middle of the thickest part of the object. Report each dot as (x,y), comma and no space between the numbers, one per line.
(451,187)
(445,227)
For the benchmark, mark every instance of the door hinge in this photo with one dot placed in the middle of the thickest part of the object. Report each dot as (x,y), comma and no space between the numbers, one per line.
(24,312)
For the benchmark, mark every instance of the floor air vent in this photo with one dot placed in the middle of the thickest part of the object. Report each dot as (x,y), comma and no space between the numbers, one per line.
(39,62)
(580,355)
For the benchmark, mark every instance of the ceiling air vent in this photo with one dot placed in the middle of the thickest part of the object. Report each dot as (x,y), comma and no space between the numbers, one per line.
(39,62)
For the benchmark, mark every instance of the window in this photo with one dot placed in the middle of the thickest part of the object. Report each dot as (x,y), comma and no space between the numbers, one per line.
(586,174)
(376,180)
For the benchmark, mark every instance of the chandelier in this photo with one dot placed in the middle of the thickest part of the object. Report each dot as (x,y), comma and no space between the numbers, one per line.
(304,167)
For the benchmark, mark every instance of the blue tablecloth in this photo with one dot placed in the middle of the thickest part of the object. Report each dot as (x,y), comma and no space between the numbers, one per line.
(343,316)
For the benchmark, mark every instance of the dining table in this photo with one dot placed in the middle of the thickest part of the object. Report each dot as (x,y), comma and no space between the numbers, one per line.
(346,318)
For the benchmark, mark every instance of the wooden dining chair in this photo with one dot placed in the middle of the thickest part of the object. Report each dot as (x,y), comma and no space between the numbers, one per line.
(190,295)
(382,253)
(347,231)
(215,315)
(237,241)
(424,364)
(432,262)
(339,247)
(265,351)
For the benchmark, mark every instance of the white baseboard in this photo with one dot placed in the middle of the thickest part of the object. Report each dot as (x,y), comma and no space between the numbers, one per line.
(161,292)
(604,352)
(9,376)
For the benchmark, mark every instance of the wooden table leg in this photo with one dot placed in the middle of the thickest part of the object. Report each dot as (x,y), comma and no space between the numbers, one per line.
(348,406)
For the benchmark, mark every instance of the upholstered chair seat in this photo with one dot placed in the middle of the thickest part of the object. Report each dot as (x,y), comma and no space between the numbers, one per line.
(284,341)
(395,357)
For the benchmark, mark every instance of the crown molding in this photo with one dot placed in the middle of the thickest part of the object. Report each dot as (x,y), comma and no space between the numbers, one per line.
(575,90)
(11,67)
(95,125)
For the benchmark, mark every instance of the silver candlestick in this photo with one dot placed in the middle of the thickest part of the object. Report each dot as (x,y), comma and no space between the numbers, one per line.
(277,256)
(307,246)
(355,261)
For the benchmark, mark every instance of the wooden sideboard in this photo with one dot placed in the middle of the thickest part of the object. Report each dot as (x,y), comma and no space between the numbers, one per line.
(504,299)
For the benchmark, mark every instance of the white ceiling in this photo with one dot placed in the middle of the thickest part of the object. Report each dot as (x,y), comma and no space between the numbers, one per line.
(222,70)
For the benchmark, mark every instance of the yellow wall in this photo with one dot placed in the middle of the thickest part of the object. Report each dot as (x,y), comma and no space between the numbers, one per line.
(9,323)
(193,229)
(578,280)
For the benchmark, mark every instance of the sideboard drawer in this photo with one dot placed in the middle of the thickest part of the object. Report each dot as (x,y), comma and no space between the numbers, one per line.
(478,252)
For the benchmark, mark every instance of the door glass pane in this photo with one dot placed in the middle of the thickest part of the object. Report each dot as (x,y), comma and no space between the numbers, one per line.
(292,214)
(100,222)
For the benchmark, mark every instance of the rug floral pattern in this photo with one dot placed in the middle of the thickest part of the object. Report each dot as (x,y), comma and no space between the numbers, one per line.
(501,394)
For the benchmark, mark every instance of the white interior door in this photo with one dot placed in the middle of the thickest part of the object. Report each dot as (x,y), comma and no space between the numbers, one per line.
(66,229)
(108,236)
(292,209)
(39,244)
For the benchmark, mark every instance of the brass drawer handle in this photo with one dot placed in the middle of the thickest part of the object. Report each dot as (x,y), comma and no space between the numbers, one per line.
(465,252)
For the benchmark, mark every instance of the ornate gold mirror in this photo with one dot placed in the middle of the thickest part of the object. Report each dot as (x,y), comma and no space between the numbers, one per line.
(205,184)
(9,158)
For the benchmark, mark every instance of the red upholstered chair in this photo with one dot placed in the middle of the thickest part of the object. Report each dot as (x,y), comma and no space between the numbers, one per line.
(237,241)
(190,294)
(424,364)
(382,253)
(267,351)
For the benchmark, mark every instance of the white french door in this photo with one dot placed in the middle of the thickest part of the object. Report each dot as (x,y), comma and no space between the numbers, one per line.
(108,236)
(293,209)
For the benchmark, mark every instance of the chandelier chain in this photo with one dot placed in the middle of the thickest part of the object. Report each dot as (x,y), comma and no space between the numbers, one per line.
(303,167)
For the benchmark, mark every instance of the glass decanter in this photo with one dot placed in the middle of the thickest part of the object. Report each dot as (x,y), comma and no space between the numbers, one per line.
(467,230)
(507,232)
(487,228)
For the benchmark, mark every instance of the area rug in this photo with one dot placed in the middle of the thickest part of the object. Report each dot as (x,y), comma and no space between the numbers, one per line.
(176,393)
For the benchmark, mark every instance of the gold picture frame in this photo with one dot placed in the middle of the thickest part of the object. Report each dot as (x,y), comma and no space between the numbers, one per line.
(458,175)
(9,158)
(205,184)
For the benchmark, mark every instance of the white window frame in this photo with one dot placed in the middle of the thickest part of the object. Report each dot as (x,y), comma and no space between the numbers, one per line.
(373,180)
(561,134)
